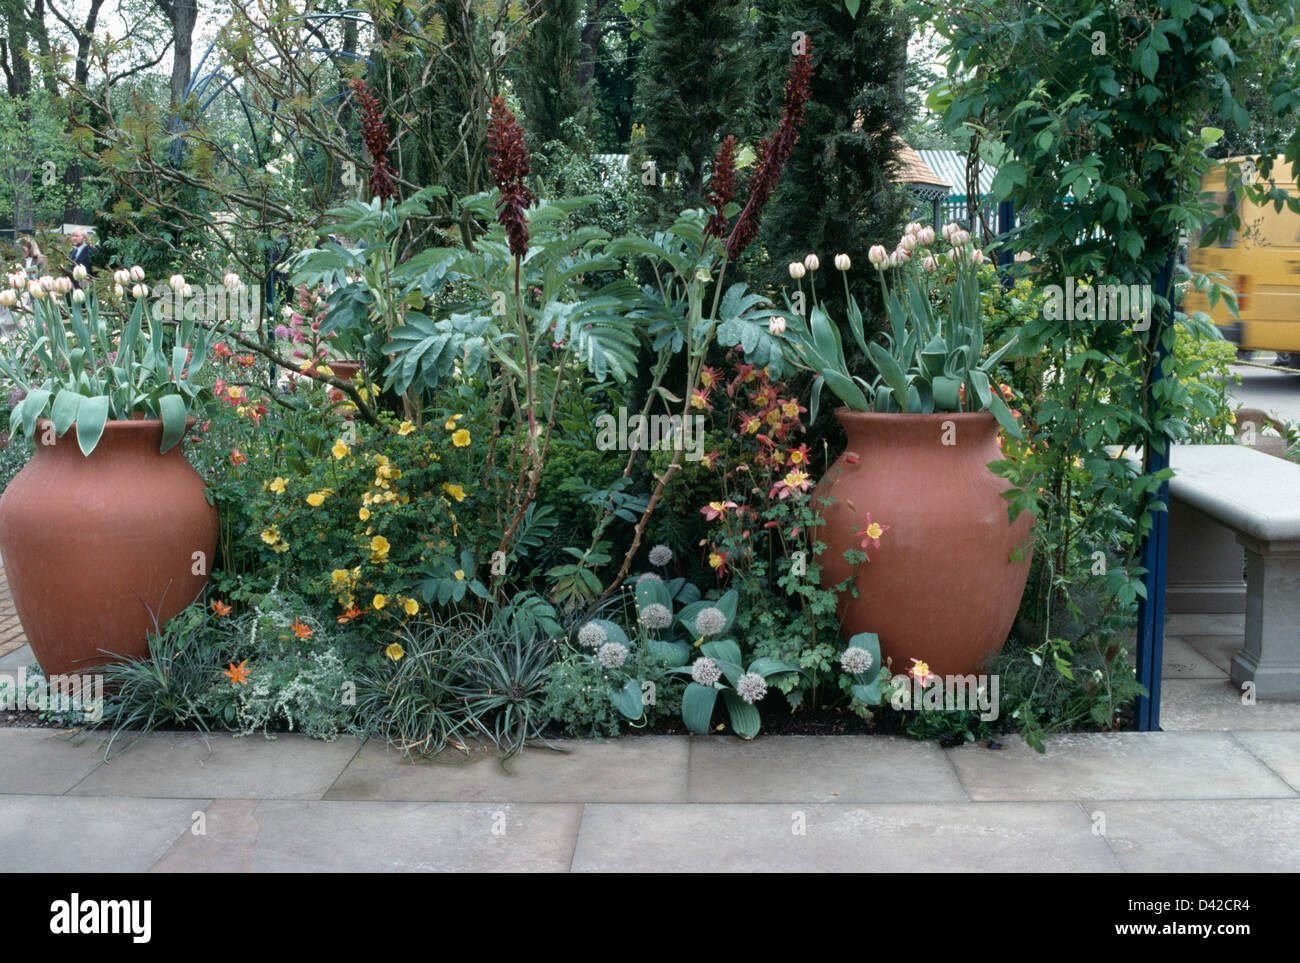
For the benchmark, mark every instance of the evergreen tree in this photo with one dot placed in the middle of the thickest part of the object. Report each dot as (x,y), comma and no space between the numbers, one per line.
(548,77)
(838,194)
(695,85)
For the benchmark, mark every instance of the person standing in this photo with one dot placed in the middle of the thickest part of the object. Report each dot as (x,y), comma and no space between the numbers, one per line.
(33,260)
(81,253)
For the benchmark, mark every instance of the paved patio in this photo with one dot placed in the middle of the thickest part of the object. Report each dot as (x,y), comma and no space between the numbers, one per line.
(1219,790)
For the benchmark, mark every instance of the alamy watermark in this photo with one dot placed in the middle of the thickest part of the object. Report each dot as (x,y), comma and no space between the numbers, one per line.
(1100,302)
(651,433)
(32,692)
(947,693)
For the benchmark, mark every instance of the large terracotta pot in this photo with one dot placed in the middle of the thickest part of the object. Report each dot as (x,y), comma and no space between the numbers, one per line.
(941,587)
(91,544)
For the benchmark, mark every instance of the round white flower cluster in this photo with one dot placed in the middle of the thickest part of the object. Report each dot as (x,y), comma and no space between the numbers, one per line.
(612,655)
(660,556)
(855,660)
(710,621)
(592,636)
(656,616)
(751,687)
(705,672)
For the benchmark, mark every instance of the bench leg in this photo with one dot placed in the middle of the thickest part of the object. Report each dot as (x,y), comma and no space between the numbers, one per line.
(1271,658)
(1204,573)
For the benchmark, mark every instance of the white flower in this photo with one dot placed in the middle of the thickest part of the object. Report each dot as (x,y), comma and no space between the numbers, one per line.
(925,236)
(878,255)
(18,280)
(47,283)
(899,257)
(140,291)
(949,229)
(776,326)
(118,290)
(122,276)
(751,687)
(78,296)
(960,238)
(79,272)
(661,555)
(8,298)
(649,577)
(612,655)
(656,616)
(593,636)
(913,227)
(231,281)
(63,284)
(907,243)
(977,256)
(855,660)
(710,621)
(37,292)
(797,270)
(187,291)
(176,282)
(705,672)
(811,262)
(930,264)
(843,262)
(137,273)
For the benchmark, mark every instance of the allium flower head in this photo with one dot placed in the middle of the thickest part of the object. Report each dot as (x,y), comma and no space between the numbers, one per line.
(751,687)
(661,555)
(508,163)
(710,621)
(855,660)
(649,577)
(656,616)
(592,635)
(705,672)
(612,655)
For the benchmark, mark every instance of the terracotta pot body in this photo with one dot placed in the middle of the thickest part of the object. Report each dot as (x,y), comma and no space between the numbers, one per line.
(91,544)
(941,587)
(345,370)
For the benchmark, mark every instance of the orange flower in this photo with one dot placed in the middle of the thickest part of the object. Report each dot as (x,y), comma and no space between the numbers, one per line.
(350,614)
(237,457)
(220,607)
(300,629)
(237,674)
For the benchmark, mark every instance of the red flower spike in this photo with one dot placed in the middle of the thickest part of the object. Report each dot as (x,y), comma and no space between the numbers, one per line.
(375,134)
(722,187)
(508,163)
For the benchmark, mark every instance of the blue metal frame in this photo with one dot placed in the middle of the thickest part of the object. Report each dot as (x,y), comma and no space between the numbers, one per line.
(1155,549)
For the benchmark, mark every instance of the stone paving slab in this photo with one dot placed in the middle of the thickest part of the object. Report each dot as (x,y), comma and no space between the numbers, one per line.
(1207,704)
(1205,836)
(43,761)
(821,769)
(634,769)
(1119,765)
(350,837)
(180,764)
(887,838)
(16,657)
(1183,624)
(1182,661)
(1218,649)
(68,834)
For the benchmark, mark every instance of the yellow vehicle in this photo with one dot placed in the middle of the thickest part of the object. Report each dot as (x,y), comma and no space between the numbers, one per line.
(1260,262)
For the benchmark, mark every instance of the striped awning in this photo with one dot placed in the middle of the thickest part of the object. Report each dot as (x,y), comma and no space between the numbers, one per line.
(951,166)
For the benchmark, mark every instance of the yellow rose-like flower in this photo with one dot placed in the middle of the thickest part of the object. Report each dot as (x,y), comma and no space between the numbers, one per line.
(411,606)
(451,422)
(379,601)
(459,574)
(715,560)
(235,392)
(406,428)
(339,575)
(277,484)
(379,548)
(271,535)
(364,514)
(280,547)
(316,499)
(460,438)
(395,651)
(384,471)
(455,491)
(340,449)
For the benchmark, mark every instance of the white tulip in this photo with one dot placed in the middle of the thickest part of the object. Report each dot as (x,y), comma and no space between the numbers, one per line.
(8,297)
(79,272)
(176,282)
(912,228)
(47,283)
(137,273)
(231,281)
(78,296)
(930,264)
(878,255)
(842,262)
(901,256)
(118,290)
(925,236)
(949,228)
(36,291)
(977,256)
(797,270)
(122,276)
(811,262)
(187,291)
(140,291)
(776,325)
(63,285)
(907,243)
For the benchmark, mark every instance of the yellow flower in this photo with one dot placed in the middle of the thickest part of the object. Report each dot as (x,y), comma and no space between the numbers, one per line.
(874,530)
(459,574)
(455,491)
(280,547)
(395,651)
(451,422)
(715,560)
(379,549)
(364,514)
(379,601)
(340,449)
(383,471)
(235,392)
(271,535)
(406,428)
(277,484)
(339,575)
(411,606)
(316,499)
(460,438)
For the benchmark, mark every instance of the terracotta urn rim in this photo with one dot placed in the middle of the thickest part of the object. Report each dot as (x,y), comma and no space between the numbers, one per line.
(129,424)
(846,414)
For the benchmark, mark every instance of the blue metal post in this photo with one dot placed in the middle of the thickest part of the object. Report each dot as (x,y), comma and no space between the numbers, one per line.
(1151,610)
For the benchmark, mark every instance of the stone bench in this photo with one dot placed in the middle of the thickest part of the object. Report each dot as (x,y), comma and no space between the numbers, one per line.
(1225,498)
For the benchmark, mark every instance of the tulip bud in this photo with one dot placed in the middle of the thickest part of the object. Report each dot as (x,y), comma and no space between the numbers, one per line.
(842,262)
(878,255)
(187,291)
(79,272)
(912,228)
(925,236)
(231,281)
(930,264)
(118,290)
(122,276)
(18,281)
(797,270)
(36,291)
(78,296)
(8,297)
(960,238)
(907,243)
(901,256)
(137,273)
(139,291)
(977,256)
(949,228)
(63,285)
(47,283)
(811,262)
(776,325)
(176,282)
